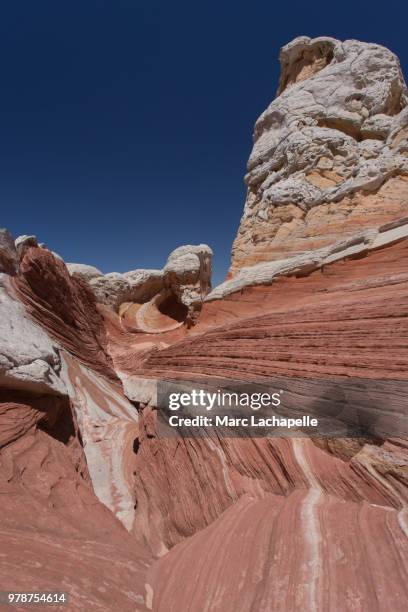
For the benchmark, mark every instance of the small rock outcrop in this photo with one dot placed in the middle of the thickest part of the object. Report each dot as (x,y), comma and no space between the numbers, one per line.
(24,242)
(187,274)
(330,152)
(113,289)
(83,271)
(178,289)
(186,280)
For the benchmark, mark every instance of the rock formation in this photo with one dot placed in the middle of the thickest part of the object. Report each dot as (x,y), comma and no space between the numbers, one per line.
(8,254)
(187,275)
(99,501)
(114,289)
(23,243)
(28,359)
(330,152)
(181,286)
(66,434)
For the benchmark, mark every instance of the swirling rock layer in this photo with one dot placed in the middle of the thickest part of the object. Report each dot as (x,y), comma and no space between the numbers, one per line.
(66,446)
(55,534)
(320,573)
(64,306)
(309,500)
(147,513)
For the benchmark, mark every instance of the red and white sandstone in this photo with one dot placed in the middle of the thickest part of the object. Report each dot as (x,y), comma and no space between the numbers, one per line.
(97,501)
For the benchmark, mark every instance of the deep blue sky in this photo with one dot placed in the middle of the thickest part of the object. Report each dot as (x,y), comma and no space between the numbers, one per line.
(126,125)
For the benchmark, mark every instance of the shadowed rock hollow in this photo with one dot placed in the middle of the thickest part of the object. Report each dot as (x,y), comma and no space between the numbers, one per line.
(99,502)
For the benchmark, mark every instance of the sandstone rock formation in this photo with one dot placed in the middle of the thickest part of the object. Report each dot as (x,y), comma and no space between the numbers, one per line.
(272,526)
(266,273)
(114,288)
(83,271)
(23,243)
(99,501)
(64,306)
(187,274)
(66,441)
(182,286)
(330,152)
(315,496)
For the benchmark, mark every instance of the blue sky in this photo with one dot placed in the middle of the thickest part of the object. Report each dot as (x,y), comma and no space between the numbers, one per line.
(125,126)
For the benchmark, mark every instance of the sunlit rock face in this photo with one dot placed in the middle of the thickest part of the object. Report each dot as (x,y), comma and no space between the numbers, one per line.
(330,152)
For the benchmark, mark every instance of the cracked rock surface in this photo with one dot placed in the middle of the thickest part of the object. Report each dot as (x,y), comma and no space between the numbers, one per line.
(330,152)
